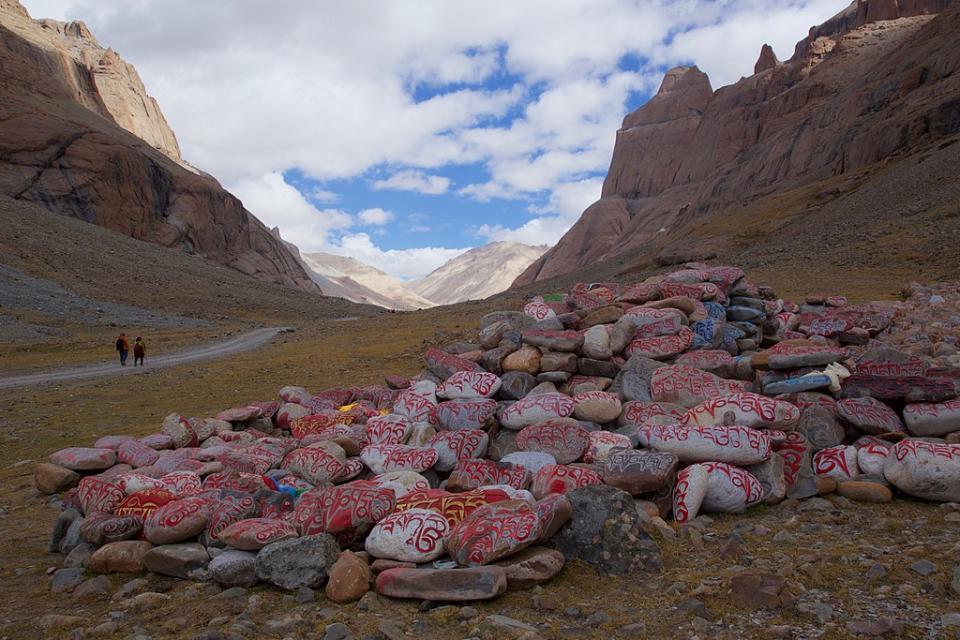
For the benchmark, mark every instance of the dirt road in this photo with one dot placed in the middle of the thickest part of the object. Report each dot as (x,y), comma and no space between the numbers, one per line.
(244,342)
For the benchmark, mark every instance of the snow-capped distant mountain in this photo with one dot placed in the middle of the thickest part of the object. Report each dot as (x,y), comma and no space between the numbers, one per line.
(478,273)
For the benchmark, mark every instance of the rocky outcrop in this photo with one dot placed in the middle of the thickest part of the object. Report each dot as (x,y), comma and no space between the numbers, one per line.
(80,136)
(872,85)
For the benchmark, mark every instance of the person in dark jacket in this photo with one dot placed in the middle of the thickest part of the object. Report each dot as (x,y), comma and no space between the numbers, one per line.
(139,350)
(123,347)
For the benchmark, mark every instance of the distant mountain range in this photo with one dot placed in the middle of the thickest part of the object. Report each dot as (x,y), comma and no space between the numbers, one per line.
(473,275)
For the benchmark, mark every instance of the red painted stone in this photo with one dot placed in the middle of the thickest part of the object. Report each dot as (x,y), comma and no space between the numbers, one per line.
(454,506)
(229,510)
(98,496)
(474,473)
(254,534)
(558,478)
(565,440)
(143,503)
(343,509)
(492,532)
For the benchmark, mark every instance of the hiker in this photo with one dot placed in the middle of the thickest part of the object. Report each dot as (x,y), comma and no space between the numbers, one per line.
(123,346)
(139,350)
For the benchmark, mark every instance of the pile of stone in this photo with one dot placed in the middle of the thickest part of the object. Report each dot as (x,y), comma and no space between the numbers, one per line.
(570,429)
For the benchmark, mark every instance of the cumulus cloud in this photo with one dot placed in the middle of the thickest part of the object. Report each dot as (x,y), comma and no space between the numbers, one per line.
(413,180)
(374,217)
(406,264)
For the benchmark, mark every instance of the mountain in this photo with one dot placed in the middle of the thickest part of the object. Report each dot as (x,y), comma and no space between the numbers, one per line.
(358,282)
(80,137)
(478,273)
(842,156)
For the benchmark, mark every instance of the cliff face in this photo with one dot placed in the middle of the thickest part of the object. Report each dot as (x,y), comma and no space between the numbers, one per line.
(872,84)
(80,136)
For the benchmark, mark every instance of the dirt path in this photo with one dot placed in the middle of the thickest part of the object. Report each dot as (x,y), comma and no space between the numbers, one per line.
(244,342)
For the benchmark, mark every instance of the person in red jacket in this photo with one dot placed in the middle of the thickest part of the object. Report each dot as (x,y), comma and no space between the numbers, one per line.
(139,350)
(123,347)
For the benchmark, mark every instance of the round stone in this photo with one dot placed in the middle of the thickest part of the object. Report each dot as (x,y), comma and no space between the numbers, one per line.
(253,534)
(84,458)
(597,406)
(493,532)
(412,535)
(565,440)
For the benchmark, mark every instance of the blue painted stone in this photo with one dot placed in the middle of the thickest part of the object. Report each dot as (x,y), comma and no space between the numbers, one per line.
(795,385)
(707,334)
(716,311)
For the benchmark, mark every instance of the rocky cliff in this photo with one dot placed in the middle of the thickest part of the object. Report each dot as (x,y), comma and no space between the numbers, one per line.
(870,87)
(80,136)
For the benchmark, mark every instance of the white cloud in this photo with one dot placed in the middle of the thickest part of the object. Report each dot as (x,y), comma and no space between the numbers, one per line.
(413,180)
(405,264)
(374,217)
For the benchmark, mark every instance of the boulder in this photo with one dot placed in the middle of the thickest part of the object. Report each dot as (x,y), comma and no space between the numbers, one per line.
(607,533)
(296,563)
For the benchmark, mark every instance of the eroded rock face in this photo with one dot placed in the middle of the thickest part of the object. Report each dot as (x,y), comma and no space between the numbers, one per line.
(80,136)
(692,152)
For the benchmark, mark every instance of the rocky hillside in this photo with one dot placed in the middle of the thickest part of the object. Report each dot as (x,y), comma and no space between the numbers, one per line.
(353,280)
(80,136)
(842,126)
(478,273)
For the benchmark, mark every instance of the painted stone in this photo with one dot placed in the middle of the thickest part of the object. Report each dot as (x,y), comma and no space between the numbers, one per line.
(553,510)
(181,483)
(565,440)
(884,361)
(453,446)
(639,413)
(730,489)
(796,454)
(745,408)
(925,470)
(240,414)
(388,429)
(178,520)
(412,535)
(561,478)
(655,323)
(469,385)
(84,458)
(533,409)
(401,483)
(230,509)
(398,457)
(638,472)
(466,413)
(317,464)
(102,528)
(899,388)
(871,458)
(732,444)
(254,534)
(553,340)
(443,585)
(136,454)
(111,442)
(344,510)
(453,506)
(538,311)
(532,461)
(688,387)
(416,407)
(320,422)
(177,428)
(602,443)
(870,415)
(492,532)
(932,419)
(838,462)
(689,492)
(473,473)
(98,496)
(719,363)
(143,503)
(234,481)
(596,406)
(662,347)
(796,353)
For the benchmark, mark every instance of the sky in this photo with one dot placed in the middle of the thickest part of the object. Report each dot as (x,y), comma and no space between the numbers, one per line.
(403,133)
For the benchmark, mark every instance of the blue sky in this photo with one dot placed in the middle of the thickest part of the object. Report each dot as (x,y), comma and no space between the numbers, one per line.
(403,133)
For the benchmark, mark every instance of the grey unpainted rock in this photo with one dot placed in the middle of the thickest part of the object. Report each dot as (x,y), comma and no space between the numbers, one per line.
(234,568)
(301,562)
(607,533)
(66,579)
(177,560)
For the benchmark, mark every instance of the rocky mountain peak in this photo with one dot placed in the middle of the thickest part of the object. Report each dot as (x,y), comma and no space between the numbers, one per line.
(767,60)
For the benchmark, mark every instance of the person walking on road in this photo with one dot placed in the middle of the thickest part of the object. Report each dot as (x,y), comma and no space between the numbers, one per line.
(123,346)
(139,350)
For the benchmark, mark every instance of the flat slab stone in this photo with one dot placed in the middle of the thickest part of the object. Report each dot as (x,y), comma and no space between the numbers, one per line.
(932,419)
(899,388)
(447,585)
(871,416)
(84,458)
